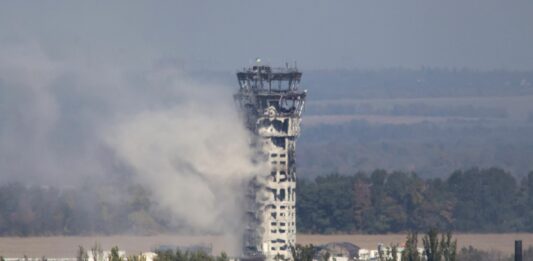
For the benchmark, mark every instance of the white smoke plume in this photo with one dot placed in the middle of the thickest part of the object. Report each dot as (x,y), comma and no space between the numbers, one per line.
(63,119)
(194,156)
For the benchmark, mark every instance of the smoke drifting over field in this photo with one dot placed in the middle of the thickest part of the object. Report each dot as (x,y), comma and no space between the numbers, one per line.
(64,120)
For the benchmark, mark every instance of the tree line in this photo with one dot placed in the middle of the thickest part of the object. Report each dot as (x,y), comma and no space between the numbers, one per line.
(88,209)
(475,200)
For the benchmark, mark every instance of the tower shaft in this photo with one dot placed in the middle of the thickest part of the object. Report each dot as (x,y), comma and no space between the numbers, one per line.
(272,105)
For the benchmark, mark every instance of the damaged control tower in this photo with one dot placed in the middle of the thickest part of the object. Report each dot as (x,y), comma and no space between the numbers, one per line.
(272,105)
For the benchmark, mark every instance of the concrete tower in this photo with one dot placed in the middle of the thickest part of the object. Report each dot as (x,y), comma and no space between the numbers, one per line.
(272,105)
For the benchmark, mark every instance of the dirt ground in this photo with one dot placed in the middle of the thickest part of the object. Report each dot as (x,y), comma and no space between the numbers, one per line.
(59,246)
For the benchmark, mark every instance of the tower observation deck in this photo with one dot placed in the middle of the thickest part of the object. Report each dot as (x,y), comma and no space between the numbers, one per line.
(272,105)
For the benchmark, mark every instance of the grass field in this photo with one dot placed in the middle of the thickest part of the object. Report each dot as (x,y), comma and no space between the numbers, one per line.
(59,246)
(518,108)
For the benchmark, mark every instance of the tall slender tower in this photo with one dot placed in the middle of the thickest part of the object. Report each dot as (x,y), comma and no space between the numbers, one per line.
(272,105)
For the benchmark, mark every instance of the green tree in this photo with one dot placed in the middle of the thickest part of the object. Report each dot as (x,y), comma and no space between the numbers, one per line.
(303,253)
(393,253)
(389,253)
(326,205)
(114,255)
(410,253)
(528,204)
(201,256)
(432,248)
(178,255)
(222,257)
(97,252)
(472,254)
(362,201)
(167,255)
(326,256)
(448,247)
(485,199)
(82,255)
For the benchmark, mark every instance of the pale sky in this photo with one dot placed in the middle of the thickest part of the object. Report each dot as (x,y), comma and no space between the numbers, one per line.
(226,35)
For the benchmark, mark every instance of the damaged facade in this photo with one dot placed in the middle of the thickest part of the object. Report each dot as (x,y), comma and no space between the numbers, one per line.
(272,105)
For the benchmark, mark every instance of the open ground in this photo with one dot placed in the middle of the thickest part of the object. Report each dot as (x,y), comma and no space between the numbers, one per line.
(63,246)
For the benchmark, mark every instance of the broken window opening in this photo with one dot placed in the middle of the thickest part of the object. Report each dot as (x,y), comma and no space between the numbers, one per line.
(278,125)
(287,106)
(283,175)
(251,248)
(282,126)
(274,103)
(278,142)
(282,194)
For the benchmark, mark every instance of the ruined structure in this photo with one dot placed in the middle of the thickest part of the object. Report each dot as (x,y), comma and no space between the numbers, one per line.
(272,106)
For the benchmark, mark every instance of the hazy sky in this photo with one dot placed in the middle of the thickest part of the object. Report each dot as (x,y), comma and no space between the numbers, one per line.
(483,34)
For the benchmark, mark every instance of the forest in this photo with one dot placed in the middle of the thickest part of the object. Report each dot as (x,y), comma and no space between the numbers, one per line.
(473,200)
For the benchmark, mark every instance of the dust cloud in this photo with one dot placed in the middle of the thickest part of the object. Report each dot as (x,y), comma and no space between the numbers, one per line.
(195,157)
(68,119)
